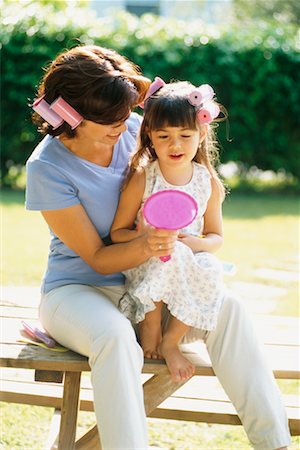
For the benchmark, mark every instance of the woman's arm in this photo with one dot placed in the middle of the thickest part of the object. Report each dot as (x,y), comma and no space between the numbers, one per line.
(123,227)
(213,225)
(73,226)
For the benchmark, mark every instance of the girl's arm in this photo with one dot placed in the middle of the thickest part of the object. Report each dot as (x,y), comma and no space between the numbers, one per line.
(123,227)
(73,226)
(213,225)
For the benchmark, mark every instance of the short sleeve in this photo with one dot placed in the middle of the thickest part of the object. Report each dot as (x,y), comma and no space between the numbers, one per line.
(48,188)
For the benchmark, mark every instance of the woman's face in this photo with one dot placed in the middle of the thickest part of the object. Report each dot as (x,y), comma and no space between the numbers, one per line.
(99,133)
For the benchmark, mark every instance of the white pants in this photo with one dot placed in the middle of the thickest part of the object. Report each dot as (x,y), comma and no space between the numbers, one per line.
(86,320)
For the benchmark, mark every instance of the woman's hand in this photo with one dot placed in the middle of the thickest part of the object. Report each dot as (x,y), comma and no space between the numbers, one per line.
(159,242)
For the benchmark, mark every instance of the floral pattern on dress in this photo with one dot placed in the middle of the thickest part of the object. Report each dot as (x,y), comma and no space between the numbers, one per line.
(190,284)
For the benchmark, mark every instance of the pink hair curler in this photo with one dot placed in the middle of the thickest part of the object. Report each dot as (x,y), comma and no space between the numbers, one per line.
(208,112)
(170,209)
(154,86)
(67,112)
(201,94)
(206,91)
(43,109)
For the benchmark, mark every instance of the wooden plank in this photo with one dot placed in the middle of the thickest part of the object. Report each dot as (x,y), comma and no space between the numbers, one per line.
(205,405)
(158,388)
(29,392)
(31,357)
(52,440)
(212,412)
(89,441)
(18,312)
(33,393)
(283,330)
(69,411)
(284,360)
(49,376)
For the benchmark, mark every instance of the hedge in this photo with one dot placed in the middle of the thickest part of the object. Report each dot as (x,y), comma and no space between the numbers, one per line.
(255,73)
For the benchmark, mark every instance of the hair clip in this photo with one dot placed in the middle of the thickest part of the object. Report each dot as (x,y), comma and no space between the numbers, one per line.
(154,87)
(208,112)
(67,112)
(43,109)
(201,99)
(58,112)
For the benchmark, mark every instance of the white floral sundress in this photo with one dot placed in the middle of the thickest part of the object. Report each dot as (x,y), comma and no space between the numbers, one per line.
(190,284)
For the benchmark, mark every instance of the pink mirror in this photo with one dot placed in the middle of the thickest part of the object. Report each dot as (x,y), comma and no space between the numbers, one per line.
(170,209)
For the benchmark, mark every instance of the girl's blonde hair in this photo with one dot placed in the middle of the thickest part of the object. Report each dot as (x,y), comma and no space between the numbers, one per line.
(170,107)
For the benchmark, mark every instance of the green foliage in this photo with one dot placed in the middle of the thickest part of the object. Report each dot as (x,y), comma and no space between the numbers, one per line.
(254,70)
(287,11)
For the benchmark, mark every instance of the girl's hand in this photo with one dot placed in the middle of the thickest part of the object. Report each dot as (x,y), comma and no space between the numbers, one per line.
(193,242)
(207,243)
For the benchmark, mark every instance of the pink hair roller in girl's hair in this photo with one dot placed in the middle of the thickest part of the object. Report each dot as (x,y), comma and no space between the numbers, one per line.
(208,112)
(201,94)
(67,112)
(43,109)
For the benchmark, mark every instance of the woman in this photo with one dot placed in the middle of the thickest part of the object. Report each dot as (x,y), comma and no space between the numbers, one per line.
(74,178)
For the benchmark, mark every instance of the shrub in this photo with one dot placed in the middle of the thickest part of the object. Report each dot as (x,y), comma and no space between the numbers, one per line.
(255,72)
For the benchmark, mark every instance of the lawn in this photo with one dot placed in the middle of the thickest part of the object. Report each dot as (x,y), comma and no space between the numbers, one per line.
(261,239)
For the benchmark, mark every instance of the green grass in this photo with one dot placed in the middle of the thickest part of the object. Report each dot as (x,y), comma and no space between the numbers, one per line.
(260,232)
(26,424)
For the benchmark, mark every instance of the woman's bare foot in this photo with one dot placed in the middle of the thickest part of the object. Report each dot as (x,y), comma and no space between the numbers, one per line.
(150,337)
(180,368)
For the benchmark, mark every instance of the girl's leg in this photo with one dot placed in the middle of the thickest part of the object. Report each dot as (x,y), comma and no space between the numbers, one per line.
(84,319)
(179,367)
(240,366)
(150,332)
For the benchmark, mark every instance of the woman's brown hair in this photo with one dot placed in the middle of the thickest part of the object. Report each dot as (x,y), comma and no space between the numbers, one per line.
(97,82)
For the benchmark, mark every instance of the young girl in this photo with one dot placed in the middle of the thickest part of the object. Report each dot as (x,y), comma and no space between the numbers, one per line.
(177,151)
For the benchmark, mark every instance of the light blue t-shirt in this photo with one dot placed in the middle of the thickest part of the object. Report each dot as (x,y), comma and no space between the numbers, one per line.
(56,179)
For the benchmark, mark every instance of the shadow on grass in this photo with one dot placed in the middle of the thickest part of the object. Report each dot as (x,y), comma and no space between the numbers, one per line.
(10,197)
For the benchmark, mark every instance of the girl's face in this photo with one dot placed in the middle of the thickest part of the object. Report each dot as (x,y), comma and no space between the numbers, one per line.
(175,145)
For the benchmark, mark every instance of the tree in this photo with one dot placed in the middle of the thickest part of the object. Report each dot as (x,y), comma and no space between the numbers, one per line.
(286,11)
(56,5)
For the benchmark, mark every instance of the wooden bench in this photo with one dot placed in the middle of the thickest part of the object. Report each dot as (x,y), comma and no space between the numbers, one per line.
(201,402)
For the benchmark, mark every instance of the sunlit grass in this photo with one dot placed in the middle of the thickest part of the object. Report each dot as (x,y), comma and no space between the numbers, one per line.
(27,428)
(260,232)
(24,242)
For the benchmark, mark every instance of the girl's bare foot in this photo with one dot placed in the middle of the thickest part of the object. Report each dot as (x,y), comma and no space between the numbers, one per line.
(150,337)
(180,368)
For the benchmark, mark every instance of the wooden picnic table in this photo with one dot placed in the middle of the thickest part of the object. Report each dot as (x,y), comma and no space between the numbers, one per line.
(163,398)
